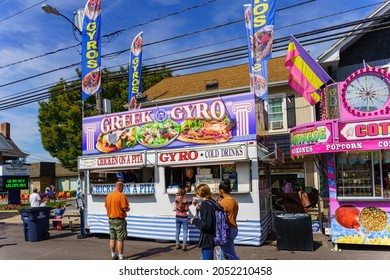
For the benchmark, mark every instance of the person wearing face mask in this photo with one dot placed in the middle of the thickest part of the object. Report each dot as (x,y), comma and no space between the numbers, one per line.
(230,206)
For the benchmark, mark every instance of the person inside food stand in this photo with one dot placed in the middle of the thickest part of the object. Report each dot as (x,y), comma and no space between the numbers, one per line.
(205,221)
(230,206)
(117,206)
(129,177)
(287,187)
(189,178)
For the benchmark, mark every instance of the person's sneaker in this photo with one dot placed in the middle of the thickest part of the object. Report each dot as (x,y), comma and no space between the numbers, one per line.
(185,248)
(115,257)
(178,246)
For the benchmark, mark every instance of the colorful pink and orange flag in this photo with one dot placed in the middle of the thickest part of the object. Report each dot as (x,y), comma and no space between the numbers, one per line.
(306,75)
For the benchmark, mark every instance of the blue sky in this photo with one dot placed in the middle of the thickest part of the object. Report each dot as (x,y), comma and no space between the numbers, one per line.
(27,32)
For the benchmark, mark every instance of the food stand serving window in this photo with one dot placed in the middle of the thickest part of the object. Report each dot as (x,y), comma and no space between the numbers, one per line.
(212,175)
(363,174)
(128,176)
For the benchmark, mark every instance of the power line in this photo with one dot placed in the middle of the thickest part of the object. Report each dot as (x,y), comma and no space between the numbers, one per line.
(178,64)
(182,64)
(332,15)
(160,18)
(38,156)
(309,33)
(22,11)
(114,33)
(192,62)
(39,56)
(115,54)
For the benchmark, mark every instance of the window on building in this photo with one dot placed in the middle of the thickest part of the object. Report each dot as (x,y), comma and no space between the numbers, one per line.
(281,112)
(275,114)
(61,185)
(143,175)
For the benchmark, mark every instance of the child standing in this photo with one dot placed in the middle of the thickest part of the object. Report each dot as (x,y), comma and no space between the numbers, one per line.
(182,207)
(58,213)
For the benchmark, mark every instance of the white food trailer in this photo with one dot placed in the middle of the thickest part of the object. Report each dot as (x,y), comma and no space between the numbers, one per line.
(151,149)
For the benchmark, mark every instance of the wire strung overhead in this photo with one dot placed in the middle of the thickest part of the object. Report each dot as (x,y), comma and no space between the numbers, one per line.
(223,56)
(115,54)
(228,55)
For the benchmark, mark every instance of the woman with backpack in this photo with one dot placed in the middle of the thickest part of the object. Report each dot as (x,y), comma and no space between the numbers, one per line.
(205,221)
(230,206)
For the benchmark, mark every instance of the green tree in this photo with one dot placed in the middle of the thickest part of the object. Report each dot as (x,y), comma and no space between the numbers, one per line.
(59,121)
(60,117)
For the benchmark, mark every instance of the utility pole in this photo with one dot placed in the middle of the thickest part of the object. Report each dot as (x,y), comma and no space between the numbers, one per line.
(99,103)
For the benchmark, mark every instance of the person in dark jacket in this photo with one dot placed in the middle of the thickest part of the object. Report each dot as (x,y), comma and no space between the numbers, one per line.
(205,221)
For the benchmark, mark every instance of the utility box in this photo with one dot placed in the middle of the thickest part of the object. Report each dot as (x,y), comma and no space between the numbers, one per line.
(294,232)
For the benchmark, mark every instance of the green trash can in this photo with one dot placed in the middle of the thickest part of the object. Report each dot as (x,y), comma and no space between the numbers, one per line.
(35,223)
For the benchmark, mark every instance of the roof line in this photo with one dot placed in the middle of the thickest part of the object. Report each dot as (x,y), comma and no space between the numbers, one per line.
(347,38)
(207,94)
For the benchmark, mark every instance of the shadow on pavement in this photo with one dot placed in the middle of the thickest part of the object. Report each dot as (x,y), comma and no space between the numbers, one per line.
(54,234)
(358,247)
(151,252)
(11,244)
(316,245)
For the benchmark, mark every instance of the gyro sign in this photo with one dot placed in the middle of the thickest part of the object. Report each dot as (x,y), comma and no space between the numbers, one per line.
(201,122)
(232,153)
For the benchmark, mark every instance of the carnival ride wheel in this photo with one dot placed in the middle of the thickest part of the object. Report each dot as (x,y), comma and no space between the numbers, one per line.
(367,91)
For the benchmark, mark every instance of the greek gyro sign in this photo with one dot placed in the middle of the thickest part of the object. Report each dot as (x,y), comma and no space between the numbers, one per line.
(196,123)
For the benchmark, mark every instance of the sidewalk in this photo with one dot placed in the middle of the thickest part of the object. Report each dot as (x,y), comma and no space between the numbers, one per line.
(65,245)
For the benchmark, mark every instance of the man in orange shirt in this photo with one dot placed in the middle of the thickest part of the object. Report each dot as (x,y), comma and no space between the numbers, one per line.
(117,206)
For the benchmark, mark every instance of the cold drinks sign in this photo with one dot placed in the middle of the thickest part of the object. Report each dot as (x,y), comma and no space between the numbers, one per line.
(233,152)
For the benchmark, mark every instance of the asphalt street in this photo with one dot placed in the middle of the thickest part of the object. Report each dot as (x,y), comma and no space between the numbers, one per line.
(65,245)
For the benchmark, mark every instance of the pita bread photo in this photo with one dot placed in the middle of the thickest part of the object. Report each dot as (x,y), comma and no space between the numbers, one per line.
(206,131)
(91,82)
